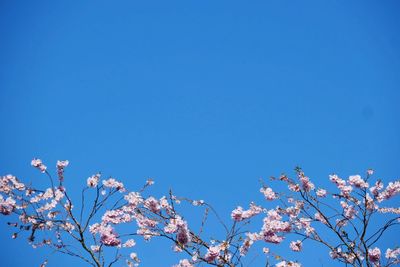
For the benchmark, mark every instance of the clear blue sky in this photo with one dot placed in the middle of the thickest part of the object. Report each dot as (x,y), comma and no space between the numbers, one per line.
(204,96)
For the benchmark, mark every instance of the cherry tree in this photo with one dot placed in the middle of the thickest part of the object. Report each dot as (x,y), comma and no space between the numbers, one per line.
(343,218)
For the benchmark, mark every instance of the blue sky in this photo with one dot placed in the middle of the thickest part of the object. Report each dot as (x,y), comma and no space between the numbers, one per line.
(204,96)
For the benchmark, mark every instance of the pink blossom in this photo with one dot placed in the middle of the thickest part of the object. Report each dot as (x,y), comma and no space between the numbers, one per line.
(112,183)
(370,204)
(95,248)
(147,233)
(197,202)
(183,263)
(294,187)
(115,217)
(374,254)
(129,243)
(321,192)
(212,253)
(341,184)
(348,210)
(376,188)
(304,223)
(152,204)
(9,183)
(248,242)
(108,236)
(346,190)
(38,164)
(93,180)
(268,193)
(357,181)
(296,245)
(389,210)
(183,235)
(164,204)
(392,189)
(287,264)
(179,226)
(392,253)
(239,214)
(293,211)
(272,226)
(40,211)
(338,181)
(306,183)
(318,216)
(133,198)
(134,257)
(7,206)
(67,226)
(174,224)
(149,182)
(60,168)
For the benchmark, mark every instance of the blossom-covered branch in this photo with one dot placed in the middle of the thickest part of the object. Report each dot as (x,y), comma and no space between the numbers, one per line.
(339,219)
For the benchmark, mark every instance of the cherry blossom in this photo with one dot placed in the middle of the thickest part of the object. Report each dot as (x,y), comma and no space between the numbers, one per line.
(37,163)
(110,216)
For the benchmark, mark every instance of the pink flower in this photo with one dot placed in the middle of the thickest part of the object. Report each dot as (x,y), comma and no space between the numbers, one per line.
(95,248)
(108,237)
(93,180)
(294,187)
(321,192)
(296,245)
(6,206)
(248,242)
(348,210)
(390,191)
(112,183)
(174,224)
(374,254)
(129,243)
(134,257)
(149,182)
(288,264)
(60,169)
(306,184)
(305,223)
(272,226)
(268,193)
(318,216)
(197,202)
(179,226)
(392,253)
(212,253)
(389,210)
(341,184)
(183,263)
(152,204)
(370,204)
(357,181)
(375,189)
(115,217)
(239,214)
(9,183)
(133,198)
(38,164)
(183,235)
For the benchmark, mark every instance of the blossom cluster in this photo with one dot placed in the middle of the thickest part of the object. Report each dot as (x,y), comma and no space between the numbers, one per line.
(50,218)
